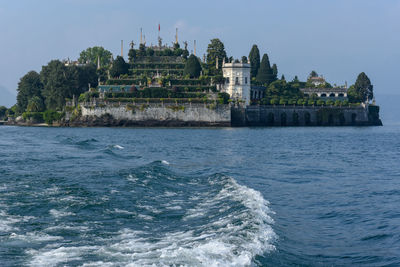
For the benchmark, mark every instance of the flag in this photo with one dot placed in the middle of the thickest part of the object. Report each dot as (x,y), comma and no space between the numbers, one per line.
(158,26)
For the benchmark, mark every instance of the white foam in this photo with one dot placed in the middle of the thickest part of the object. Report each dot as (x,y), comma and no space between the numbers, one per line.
(131,178)
(49,256)
(7,221)
(233,240)
(59,213)
(118,147)
(165,162)
(35,237)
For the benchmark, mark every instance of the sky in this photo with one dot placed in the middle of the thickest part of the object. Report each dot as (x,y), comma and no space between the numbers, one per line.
(339,39)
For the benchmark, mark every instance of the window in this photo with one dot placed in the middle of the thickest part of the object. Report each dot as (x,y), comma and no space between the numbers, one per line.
(227,79)
(245,80)
(237,81)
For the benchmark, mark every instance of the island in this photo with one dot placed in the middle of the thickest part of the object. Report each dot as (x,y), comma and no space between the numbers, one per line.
(162,85)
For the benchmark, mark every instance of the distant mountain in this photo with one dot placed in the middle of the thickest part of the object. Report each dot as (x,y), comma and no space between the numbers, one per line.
(6,97)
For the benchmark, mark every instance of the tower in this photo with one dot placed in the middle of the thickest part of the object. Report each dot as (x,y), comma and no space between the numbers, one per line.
(237,80)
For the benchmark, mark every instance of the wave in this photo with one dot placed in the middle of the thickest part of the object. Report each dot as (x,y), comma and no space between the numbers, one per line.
(184,221)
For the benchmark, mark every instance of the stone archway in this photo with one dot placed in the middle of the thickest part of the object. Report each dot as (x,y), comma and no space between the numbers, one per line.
(295,118)
(353,118)
(307,118)
(283,119)
(271,119)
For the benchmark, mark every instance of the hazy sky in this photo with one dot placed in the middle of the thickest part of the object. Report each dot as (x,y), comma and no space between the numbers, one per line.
(338,39)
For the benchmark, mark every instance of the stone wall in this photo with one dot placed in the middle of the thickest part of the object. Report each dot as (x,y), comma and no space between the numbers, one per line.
(152,114)
(304,116)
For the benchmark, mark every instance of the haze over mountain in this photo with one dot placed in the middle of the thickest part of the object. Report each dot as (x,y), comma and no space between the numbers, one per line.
(6,98)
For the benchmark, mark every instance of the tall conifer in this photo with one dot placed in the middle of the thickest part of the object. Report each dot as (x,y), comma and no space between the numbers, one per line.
(265,74)
(254,57)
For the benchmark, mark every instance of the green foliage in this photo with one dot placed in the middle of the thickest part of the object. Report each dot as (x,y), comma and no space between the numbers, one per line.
(313,74)
(363,87)
(28,87)
(50,116)
(224,97)
(33,116)
(216,49)
(119,67)
(244,59)
(353,95)
(192,67)
(265,75)
(132,55)
(3,111)
(320,102)
(185,53)
(275,71)
(254,57)
(168,52)
(92,53)
(281,88)
(150,52)
(142,50)
(35,104)
(61,82)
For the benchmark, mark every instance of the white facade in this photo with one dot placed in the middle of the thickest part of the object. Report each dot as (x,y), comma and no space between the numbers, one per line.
(237,81)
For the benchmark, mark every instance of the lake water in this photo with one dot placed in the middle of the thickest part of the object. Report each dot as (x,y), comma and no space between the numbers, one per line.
(200,197)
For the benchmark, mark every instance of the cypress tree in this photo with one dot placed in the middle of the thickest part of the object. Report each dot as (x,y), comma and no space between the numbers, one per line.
(132,55)
(119,67)
(215,49)
(254,57)
(363,87)
(275,71)
(265,75)
(192,67)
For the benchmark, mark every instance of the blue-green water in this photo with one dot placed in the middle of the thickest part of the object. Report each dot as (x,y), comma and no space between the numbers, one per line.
(199,197)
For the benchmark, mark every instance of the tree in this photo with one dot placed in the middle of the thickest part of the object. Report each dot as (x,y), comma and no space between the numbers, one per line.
(275,71)
(61,82)
(132,55)
(215,49)
(313,74)
(28,87)
(150,52)
(244,59)
(142,50)
(185,54)
(3,111)
(92,53)
(265,74)
(57,83)
(283,78)
(363,87)
(192,67)
(119,67)
(254,57)
(35,104)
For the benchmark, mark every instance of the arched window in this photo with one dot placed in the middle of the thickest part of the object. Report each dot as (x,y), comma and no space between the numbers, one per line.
(332,95)
(323,95)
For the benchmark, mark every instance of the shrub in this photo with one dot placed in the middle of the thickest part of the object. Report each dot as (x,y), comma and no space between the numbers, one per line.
(320,102)
(51,115)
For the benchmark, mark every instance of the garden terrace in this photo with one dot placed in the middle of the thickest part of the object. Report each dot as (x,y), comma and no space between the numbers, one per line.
(121,100)
(158,59)
(152,72)
(154,93)
(161,65)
